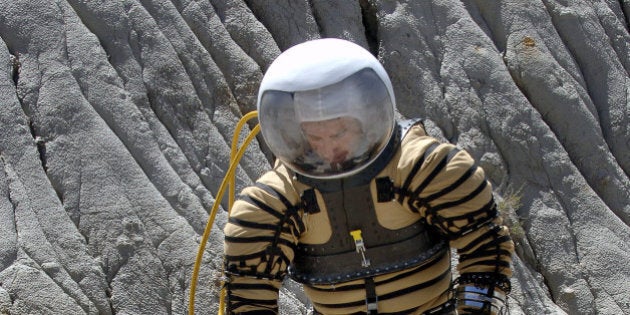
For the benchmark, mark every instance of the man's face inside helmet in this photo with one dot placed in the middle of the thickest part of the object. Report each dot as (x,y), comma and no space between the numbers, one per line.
(329,131)
(336,141)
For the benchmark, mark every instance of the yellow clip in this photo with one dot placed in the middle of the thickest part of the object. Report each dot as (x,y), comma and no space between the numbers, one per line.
(360,247)
(356,235)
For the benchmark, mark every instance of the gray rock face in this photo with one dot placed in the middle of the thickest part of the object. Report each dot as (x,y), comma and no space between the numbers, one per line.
(116,120)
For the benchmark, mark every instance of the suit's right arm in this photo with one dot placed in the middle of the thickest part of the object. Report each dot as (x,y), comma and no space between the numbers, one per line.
(260,237)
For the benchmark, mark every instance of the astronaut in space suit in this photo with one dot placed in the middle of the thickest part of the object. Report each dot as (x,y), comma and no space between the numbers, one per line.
(359,208)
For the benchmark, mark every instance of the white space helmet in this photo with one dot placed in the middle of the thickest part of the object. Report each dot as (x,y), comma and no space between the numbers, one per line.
(326,108)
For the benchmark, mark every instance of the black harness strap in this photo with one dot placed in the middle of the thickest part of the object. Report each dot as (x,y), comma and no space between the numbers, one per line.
(385,190)
(309,201)
(371,299)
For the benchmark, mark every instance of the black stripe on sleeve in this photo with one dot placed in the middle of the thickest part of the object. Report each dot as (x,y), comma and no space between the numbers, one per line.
(492,262)
(252,286)
(260,239)
(494,243)
(404,190)
(492,232)
(256,225)
(290,210)
(485,253)
(262,255)
(438,168)
(469,197)
(237,301)
(489,208)
(453,186)
(270,190)
(261,205)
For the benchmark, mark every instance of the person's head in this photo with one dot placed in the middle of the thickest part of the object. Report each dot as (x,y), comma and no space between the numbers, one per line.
(334,140)
(326,108)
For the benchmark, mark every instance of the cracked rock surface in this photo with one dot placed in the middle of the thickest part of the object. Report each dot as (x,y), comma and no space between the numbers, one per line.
(116,119)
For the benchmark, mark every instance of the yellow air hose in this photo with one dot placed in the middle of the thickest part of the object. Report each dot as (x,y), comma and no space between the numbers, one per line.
(228,180)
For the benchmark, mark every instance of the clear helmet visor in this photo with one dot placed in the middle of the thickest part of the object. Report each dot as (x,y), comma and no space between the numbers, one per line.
(332,131)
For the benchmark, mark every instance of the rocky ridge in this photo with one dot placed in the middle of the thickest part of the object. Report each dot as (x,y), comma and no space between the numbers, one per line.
(117,117)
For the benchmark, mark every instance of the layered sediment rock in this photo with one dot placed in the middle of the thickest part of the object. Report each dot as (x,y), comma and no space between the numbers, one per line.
(116,120)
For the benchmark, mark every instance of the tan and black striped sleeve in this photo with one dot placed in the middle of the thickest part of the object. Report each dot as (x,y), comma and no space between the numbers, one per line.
(453,195)
(260,239)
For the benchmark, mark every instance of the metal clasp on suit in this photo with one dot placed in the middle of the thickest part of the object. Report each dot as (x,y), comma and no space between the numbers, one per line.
(360,247)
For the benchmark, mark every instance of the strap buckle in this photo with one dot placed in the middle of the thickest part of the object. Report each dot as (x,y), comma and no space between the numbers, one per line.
(371,299)
(372,307)
(360,247)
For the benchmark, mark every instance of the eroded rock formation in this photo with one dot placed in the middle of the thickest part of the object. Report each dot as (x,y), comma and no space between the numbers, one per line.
(116,119)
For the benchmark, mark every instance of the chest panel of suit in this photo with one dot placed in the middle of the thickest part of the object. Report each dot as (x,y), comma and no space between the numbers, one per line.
(394,238)
(351,209)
